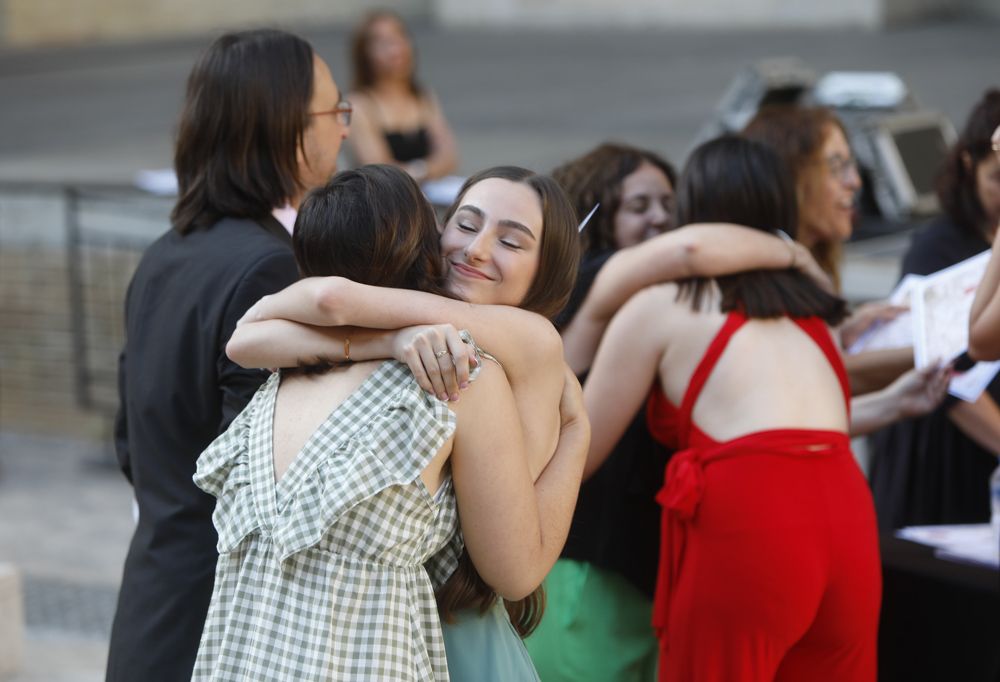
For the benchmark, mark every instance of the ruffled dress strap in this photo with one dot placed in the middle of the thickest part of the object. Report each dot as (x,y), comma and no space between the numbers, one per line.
(385,434)
(223,471)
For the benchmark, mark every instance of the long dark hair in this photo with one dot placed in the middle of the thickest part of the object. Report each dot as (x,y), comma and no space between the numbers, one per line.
(558,259)
(559,254)
(361,61)
(597,177)
(244,116)
(735,180)
(371,225)
(956,186)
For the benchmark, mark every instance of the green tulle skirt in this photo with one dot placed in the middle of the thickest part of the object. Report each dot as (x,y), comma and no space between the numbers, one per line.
(596,628)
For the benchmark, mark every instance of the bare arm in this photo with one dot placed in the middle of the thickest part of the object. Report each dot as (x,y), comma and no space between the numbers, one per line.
(624,368)
(915,393)
(514,527)
(527,345)
(984,319)
(366,139)
(980,421)
(443,158)
(874,370)
(702,250)
(282,343)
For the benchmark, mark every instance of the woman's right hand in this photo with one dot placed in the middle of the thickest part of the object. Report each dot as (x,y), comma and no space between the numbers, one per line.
(437,357)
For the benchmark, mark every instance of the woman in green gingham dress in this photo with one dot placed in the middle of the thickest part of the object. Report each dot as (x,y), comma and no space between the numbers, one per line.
(321,545)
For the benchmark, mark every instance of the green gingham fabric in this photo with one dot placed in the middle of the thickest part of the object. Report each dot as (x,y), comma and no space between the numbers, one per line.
(321,576)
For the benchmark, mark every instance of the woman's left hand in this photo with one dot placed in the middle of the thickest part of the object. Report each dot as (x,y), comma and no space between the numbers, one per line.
(438,358)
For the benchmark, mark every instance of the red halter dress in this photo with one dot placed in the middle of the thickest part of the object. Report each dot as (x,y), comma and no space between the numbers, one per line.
(769,566)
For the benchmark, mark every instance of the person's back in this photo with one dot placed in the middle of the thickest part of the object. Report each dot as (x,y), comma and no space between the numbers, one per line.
(769,555)
(770,375)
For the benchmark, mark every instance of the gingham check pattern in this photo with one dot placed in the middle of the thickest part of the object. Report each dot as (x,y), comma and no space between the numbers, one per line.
(321,576)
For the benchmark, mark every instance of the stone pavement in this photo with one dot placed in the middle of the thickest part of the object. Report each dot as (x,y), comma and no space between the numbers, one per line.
(66,523)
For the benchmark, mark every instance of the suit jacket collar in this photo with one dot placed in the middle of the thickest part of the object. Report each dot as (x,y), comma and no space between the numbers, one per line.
(270,224)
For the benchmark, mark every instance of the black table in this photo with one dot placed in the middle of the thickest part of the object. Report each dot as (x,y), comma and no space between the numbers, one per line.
(940,619)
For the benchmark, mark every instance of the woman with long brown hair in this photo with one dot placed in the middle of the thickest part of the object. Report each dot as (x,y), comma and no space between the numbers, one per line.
(397,120)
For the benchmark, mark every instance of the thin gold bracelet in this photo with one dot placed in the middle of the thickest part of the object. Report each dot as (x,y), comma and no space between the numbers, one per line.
(347,349)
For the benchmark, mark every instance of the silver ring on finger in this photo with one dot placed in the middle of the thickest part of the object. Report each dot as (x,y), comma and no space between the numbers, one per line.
(441,353)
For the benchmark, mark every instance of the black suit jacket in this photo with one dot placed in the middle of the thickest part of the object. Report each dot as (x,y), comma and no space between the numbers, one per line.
(179,391)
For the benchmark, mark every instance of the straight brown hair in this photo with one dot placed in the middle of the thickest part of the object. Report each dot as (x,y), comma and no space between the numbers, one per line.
(559,255)
(243,120)
(363,77)
(558,259)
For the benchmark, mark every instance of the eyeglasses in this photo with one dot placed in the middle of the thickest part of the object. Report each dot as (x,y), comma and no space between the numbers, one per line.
(342,111)
(841,167)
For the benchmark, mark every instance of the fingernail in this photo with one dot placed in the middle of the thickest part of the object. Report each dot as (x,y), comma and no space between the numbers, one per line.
(442,396)
(454,397)
(464,385)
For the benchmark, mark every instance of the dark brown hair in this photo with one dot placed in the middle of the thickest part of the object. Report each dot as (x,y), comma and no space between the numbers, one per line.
(956,186)
(361,62)
(558,259)
(244,116)
(371,225)
(597,177)
(736,180)
(797,135)
(559,254)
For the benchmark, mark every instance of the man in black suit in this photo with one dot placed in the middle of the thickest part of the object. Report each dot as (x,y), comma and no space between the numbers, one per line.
(262,124)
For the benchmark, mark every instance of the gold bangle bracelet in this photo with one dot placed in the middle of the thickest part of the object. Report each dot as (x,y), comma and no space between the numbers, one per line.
(347,349)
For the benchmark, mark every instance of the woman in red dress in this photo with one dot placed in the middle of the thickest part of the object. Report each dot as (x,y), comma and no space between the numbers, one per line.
(769,565)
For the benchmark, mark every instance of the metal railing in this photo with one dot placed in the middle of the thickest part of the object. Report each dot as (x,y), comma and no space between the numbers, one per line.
(103,230)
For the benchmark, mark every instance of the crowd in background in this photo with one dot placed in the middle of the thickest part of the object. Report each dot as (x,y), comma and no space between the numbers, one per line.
(504,445)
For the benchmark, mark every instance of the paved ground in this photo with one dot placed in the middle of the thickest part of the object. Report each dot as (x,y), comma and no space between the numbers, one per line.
(101,114)
(66,523)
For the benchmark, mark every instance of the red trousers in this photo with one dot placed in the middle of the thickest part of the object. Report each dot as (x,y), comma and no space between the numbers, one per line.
(770,566)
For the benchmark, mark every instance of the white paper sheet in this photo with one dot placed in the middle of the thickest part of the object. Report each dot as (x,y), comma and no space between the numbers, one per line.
(941,306)
(972,543)
(970,385)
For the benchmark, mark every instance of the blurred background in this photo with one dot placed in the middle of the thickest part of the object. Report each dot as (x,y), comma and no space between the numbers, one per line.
(90,92)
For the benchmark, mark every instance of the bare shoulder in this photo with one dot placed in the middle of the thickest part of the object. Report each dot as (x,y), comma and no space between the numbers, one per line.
(489,389)
(659,298)
(535,332)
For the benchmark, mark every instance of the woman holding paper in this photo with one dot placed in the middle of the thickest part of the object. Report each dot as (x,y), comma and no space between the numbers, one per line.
(935,469)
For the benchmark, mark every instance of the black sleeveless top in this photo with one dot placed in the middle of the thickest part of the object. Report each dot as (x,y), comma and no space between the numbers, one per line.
(409,145)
